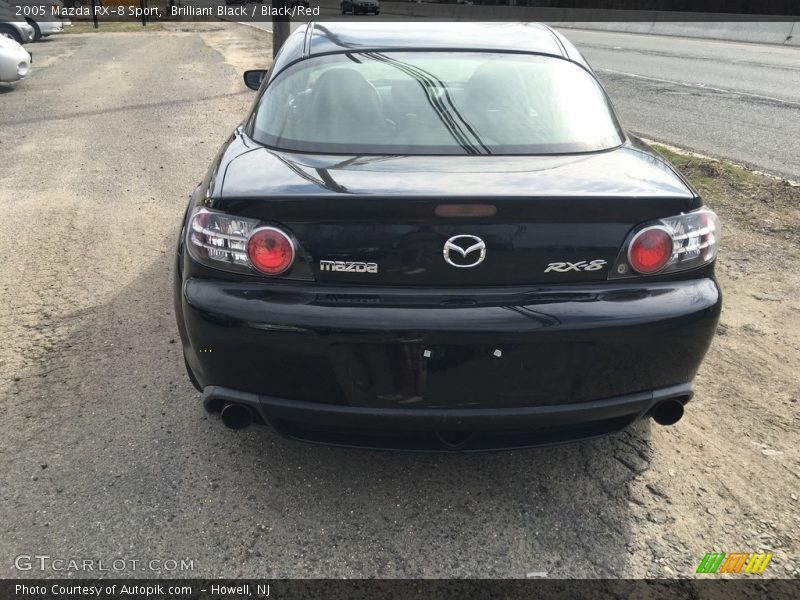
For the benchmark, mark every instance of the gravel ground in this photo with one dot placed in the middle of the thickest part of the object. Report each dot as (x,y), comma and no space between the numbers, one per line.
(107,453)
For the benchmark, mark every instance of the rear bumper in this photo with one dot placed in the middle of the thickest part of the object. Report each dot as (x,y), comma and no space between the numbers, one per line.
(443,430)
(26,31)
(340,364)
(447,348)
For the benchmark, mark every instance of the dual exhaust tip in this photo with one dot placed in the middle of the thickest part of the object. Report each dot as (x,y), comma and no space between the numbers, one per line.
(239,416)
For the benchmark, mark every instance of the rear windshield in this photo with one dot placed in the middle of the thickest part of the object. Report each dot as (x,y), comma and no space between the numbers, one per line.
(435,103)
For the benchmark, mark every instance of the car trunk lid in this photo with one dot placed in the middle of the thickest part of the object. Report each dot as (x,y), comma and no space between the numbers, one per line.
(456,221)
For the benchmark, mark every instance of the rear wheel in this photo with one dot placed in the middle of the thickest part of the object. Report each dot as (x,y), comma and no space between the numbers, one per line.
(37,32)
(11,33)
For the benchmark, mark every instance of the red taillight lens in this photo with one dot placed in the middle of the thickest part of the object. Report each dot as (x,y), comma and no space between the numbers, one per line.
(650,250)
(270,250)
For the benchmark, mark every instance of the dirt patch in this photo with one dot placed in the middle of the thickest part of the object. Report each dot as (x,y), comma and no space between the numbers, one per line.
(112,27)
(241,46)
(738,457)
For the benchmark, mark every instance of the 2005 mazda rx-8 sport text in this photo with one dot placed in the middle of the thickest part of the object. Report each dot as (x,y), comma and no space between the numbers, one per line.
(440,238)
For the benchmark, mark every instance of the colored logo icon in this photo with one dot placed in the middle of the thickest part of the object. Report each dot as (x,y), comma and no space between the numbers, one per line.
(743,562)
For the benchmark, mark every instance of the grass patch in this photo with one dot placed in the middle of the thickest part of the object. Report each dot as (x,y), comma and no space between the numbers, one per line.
(675,158)
(706,171)
(738,172)
(112,27)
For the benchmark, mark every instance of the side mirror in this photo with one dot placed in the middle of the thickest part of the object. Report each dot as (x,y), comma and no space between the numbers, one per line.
(254,77)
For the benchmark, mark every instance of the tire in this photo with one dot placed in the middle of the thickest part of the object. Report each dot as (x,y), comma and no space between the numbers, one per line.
(11,32)
(37,32)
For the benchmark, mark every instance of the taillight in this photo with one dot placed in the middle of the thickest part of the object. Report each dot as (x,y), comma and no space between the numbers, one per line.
(650,250)
(270,250)
(223,241)
(678,243)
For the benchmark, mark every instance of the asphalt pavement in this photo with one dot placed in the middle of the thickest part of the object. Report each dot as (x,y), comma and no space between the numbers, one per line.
(729,100)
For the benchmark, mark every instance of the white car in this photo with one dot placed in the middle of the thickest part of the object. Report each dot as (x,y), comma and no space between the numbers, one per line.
(13,28)
(40,14)
(15,62)
(19,31)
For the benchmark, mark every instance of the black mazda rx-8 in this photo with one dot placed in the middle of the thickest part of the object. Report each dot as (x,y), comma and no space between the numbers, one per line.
(440,238)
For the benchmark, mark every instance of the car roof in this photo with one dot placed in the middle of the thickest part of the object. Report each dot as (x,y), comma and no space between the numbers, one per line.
(516,37)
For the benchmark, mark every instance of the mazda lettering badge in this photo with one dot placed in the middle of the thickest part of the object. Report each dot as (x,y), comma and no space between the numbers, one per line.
(464,251)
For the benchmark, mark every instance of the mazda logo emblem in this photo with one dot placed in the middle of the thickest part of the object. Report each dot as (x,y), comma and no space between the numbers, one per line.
(467,250)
